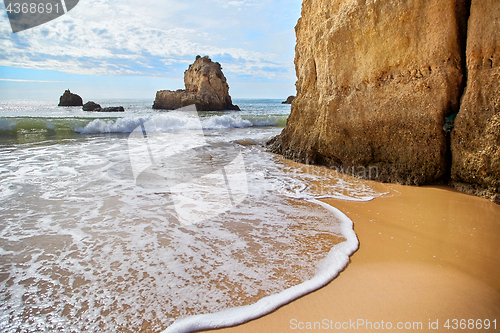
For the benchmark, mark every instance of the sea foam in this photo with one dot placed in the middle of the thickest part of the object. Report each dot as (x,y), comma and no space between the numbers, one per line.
(118,251)
(174,120)
(165,122)
(328,269)
(87,250)
(295,181)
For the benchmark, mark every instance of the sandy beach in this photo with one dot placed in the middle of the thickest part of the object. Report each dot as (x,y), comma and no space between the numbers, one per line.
(428,257)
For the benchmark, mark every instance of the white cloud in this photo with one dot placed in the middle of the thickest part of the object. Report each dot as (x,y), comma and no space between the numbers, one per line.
(150,38)
(38,81)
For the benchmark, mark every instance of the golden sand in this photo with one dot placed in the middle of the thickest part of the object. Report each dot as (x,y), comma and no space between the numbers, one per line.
(427,255)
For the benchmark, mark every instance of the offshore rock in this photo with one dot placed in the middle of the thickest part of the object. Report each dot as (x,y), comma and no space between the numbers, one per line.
(206,86)
(476,136)
(113,109)
(91,106)
(376,80)
(70,99)
(289,100)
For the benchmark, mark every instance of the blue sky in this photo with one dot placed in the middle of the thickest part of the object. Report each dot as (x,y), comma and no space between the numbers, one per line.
(132,48)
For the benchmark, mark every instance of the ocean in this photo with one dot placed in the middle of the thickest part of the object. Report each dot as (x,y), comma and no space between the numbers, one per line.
(152,221)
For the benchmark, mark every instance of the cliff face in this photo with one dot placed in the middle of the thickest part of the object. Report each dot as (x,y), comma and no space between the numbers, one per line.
(206,86)
(376,80)
(476,136)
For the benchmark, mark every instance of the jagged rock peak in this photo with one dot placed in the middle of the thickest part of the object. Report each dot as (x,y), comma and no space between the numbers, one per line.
(205,85)
(70,99)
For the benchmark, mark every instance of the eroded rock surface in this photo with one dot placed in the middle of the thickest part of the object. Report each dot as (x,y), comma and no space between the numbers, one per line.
(376,80)
(476,135)
(206,86)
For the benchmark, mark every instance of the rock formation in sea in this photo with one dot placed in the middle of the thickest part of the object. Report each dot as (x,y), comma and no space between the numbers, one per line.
(70,99)
(476,135)
(113,109)
(289,100)
(91,106)
(206,86)
(379,84)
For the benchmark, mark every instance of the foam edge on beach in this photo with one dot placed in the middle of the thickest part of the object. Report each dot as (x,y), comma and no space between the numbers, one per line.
(329,267)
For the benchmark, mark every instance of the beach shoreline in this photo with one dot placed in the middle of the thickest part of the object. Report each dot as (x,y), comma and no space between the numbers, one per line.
(428,255)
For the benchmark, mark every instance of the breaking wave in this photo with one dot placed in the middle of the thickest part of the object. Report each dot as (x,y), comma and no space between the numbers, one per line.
(164,122)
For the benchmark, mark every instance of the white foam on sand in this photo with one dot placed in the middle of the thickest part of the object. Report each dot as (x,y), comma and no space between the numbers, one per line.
(87,250)
(328,269)
(298,183)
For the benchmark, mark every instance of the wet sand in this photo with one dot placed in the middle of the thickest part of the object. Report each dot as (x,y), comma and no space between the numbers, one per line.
(427,254)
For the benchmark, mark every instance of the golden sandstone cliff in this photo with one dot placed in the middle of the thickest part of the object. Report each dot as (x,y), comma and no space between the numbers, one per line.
(476,138)
(377,80)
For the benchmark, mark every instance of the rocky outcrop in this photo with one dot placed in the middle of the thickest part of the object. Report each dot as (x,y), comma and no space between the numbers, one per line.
(206,86)
(289,100)
(91,106)
(376,80)
(476,135)
(70,99)
(113,109)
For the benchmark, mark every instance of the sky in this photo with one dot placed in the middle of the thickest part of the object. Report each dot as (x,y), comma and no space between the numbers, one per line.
(133,48)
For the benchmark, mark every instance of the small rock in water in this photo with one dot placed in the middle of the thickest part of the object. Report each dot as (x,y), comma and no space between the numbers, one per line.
(70,99)
(113,109)
(91,106)
(289,100)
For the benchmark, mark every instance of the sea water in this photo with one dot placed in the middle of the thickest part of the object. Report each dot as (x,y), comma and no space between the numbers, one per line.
(86,247)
